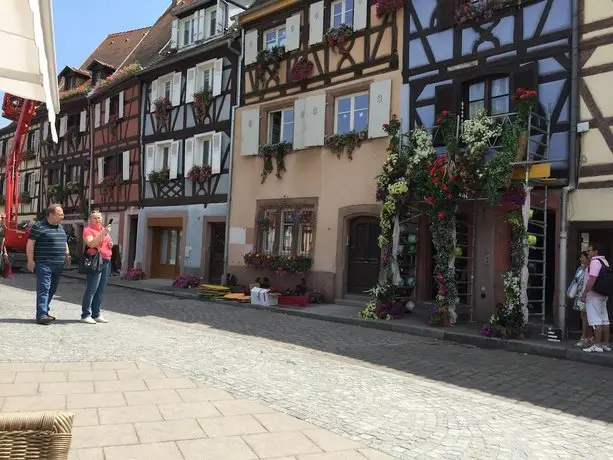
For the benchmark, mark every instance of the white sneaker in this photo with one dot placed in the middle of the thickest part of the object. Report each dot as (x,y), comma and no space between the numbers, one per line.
(593,349)
(100,319)
(606,347)
(88,320)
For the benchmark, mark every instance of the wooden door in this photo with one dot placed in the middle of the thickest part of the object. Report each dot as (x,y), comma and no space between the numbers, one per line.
(216,252)
(364,255)
(165,254)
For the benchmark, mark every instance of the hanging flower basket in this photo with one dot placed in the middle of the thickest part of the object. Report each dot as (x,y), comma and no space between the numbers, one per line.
(109,182)
(163,108)
(72,188)
(514,197)
(159,177)
(268,61)
(481,10)
(346,143)
(265,223)
(277,152)
(55,192)
(305,217)
(385,7)
(199,173)
(338,37)
(202,104)
(28,155)
(25,197)
(302,69)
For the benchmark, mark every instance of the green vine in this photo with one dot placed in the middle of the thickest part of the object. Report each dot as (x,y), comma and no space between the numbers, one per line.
(346,143)
(278,152)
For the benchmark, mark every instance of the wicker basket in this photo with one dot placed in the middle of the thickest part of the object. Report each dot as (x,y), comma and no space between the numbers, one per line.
(40,436)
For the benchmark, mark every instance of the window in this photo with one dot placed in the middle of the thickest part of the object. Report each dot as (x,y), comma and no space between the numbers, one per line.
(73,174)
(202,149)
(189,30)
(204,77)
(114,106)
(27,180)
(165,87)
(351,113)
(274,38)
(96,77)
(73,122)
(30,141)
(54,176)
(342,13)
(287,231)
(69,83)
(110,166)
(211,19)
(162,154)
(491,94)
(281,126)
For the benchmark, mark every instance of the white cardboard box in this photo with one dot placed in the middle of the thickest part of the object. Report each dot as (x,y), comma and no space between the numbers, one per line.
(264,297)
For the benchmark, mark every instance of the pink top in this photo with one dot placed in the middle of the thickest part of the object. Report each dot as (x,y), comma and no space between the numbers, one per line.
(593,270)
(105,247)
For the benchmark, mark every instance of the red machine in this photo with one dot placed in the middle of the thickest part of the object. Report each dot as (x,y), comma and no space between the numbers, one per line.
(22,111)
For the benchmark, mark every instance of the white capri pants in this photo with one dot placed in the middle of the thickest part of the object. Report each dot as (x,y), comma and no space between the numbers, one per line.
(596,309)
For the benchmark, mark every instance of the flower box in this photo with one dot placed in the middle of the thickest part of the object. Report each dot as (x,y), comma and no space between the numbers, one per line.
(295,300)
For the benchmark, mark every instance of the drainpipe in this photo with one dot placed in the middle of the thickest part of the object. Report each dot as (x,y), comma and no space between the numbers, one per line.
(232,113)
(572,167)
(90,189)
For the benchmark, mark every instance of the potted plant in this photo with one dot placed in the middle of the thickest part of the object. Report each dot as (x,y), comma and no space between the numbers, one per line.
(109,182)
(28,155)
(199,173)
(525,102)
(346,142)
(186,282)
(134,274)
(202,104)
(338,37)
(25,197)
(385,7)
(72,188)
(302,69)
(159,177)
(278,152)
(163,108)
(55,192)
(268,60)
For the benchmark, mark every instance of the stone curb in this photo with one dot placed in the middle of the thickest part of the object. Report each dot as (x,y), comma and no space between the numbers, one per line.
(518,346)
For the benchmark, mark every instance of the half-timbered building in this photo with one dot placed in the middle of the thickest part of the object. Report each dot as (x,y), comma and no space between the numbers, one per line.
(590,212)
(66,165)
(114,111)
(29,171)
(187,106)
(464,56)
(319,81)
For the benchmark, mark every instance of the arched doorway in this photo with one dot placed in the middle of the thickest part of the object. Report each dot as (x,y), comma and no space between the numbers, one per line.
(363,255)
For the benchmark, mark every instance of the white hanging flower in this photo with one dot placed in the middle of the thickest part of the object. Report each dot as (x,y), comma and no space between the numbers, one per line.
(480,132)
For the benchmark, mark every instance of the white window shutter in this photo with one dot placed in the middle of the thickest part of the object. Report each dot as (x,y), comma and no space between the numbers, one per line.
(201,23)
(190,85)
(36,143)
(299,125)
(63,125)
(97,116)
(174,34)
(360,14)
(35,181)
(83,121)
(315,120)
(149,160)
(292,32)
(107,110)
(173,160)
(188,160)
(250,131)
(45,130)
(217,77)
(251,47)
(379,101)
(176,89)
(219,17)
(100,169)
(316,22)
(126,165)
(154,95)
(122,101)
(216,154)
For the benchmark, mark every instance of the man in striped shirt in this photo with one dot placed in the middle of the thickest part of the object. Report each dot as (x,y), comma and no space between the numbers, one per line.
(47,252)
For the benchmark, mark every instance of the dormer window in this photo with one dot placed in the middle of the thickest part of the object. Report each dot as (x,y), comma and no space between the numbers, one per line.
(69,83)
(342,13)
(188,30)
(275,37)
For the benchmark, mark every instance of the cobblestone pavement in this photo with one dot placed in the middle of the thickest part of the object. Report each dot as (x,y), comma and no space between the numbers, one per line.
(407,396)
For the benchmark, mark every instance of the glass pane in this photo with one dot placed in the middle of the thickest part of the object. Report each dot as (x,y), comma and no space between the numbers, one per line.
(360,120)
(349,18)
(288,230)
(186,33)
(288,132)
(476,92)
(306,239)
(174,242)
(343,123)
(500,105)
(288,116)
(281,37)
(474,107)
(344,105)
(164,248)
(348,5)
(338,9)
(206,148)
(337,20)
(274,135)
(213,23)
(271,40)
(500,87)
(361,102)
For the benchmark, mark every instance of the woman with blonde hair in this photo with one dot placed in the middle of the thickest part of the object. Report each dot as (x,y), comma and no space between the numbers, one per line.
(97,239)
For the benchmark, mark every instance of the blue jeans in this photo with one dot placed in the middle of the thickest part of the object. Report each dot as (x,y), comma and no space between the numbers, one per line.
(47,278)
(94,290)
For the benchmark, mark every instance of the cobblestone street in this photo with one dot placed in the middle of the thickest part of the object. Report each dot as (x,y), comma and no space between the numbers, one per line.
(410,397)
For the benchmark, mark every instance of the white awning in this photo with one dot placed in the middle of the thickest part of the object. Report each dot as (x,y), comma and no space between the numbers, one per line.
(27,59)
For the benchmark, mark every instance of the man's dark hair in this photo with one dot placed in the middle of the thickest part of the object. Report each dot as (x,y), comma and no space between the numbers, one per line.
(597,247)
(51,209)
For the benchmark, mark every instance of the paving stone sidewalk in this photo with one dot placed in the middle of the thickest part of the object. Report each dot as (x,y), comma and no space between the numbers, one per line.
(126,410)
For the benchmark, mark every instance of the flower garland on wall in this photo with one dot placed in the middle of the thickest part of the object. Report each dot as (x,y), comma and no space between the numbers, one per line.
(413,172)
(278,152)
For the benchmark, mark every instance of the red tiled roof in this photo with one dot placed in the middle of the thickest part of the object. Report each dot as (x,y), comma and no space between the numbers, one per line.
(148,50)
(116,47)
